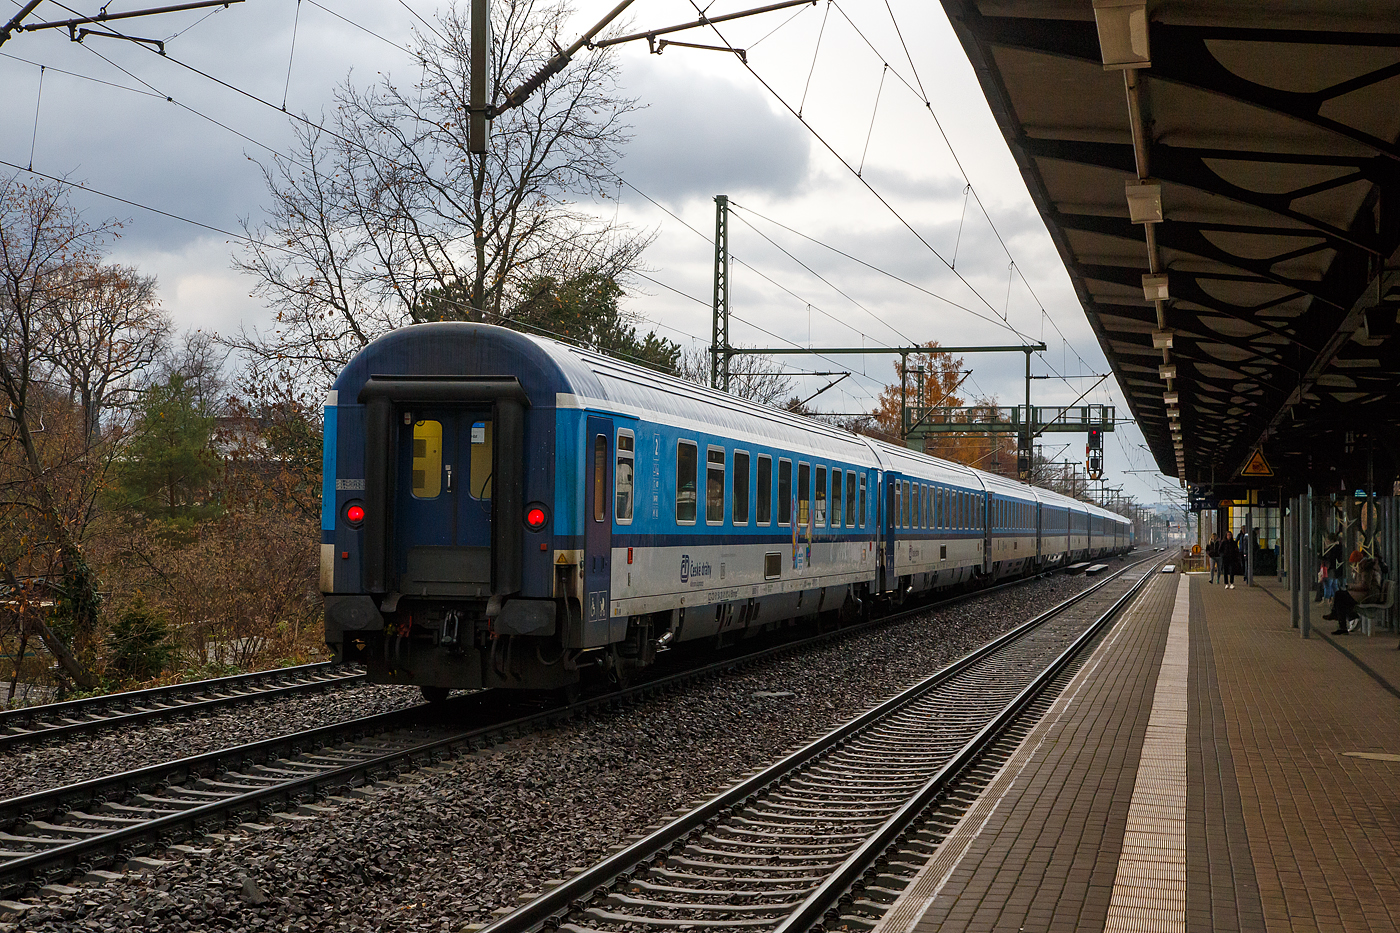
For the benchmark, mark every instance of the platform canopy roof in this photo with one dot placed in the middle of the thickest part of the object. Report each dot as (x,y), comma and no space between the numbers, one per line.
(1222,180)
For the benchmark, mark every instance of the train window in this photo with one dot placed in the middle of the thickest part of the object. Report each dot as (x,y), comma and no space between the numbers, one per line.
(481,462)
(765,489)
(862,500)
(928,506)
(835,498)
(899,504)
(427,459)
(916,508)
(741,488)
(804,493)
(820,509)
(623,481)
(784,492)
(600,477)
(714,486)
(687,480)
(851,498)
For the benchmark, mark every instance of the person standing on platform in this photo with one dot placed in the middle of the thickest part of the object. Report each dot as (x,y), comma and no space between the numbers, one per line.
(1213,556)
(1230,562)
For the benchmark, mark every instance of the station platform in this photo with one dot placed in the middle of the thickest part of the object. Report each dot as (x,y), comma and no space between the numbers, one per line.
(1207,769)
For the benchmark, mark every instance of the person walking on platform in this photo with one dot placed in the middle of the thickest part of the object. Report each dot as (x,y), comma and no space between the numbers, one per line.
(1213,556)
(1230,562)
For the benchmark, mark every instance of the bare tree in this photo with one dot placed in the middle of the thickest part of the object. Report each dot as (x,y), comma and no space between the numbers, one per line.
(752,376)
(198,359)
(384,212)
(106,332)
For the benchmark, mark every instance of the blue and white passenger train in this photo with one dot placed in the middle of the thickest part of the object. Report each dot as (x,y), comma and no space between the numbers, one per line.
(502,510)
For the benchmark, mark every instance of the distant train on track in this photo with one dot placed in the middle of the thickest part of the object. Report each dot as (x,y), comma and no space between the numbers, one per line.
(502,510)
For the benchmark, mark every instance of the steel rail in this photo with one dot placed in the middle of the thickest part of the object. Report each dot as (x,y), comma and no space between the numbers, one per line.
(35,723)
(820,904)
(59,861)
(547,909)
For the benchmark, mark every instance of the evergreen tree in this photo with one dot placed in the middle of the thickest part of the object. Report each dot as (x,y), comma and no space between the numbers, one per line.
(139,644)
(582,309)
(167,465)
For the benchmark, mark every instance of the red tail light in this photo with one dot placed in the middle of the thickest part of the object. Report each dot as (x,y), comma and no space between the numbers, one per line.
(355,514)
(534,518)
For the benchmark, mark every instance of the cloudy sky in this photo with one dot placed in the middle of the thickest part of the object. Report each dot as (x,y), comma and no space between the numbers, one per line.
(185,133)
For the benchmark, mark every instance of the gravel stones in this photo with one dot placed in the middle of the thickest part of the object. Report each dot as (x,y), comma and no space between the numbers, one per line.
(449,845)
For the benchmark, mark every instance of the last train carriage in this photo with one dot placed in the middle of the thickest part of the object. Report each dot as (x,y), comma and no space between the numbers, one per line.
(502,510)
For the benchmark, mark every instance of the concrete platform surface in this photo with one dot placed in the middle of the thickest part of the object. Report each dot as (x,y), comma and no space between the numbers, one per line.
(1208,769)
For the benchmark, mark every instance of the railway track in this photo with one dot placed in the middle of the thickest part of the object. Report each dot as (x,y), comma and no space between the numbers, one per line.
(51,835)
(53,720)
(830,834)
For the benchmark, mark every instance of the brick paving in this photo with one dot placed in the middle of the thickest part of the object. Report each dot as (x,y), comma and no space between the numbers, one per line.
(1323,827)
(1047,856)
(1286,827)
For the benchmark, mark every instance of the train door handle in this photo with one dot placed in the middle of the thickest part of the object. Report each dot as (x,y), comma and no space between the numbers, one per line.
(448,468)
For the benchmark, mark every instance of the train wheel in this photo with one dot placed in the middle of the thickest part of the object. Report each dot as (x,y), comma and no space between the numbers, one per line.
(434,694)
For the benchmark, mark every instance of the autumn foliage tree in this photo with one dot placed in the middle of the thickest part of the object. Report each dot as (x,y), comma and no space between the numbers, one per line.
(72,334)
(936,379)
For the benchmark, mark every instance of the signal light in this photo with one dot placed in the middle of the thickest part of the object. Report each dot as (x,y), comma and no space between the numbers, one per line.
(355,514)
(534,518)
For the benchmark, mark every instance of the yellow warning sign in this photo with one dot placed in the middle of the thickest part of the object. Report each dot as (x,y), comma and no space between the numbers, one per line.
(1257,466)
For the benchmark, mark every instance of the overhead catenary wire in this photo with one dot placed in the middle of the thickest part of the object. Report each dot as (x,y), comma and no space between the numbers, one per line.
(291,54)
(146,207)
(38,99)
(156,92)
(865,182)
(271,149)
(817,275)
(928,106)
(746,265)
(304,120)
(153,91)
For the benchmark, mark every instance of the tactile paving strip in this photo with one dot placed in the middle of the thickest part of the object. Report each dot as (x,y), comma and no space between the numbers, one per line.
(915,900)
(1149,891)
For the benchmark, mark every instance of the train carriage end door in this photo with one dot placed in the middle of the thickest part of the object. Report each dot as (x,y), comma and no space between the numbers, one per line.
(597,536)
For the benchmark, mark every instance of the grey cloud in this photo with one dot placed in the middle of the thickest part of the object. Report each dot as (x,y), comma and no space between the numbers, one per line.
(700,135)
